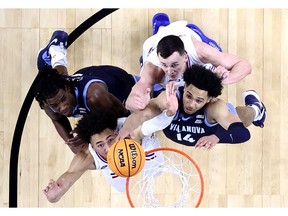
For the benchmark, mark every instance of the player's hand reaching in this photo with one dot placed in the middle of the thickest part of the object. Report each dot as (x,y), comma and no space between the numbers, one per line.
(142,99)
(207,142)
(171,98)
(122,135)
(137,134)
(221,71)
(75,143)
(52,191)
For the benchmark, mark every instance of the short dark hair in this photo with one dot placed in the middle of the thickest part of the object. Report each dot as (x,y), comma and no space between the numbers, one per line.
(203,79)
(95,122)
(170,44)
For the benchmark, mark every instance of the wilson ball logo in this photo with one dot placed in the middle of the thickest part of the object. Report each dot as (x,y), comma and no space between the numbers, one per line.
(133,153)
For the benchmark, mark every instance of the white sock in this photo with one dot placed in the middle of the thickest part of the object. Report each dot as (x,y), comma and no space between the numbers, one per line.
(58,55)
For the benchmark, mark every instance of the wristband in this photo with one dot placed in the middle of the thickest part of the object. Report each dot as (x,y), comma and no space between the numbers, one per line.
(157,123)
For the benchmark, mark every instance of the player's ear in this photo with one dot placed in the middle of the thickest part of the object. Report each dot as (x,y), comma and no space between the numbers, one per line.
(211,99)
(185,57)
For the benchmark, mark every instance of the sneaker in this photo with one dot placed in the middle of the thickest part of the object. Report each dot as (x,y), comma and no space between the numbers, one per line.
(59,38)
(159,19)
(251,98)
(203,37)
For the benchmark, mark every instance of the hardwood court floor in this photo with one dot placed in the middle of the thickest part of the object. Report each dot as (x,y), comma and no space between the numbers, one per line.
(252,174)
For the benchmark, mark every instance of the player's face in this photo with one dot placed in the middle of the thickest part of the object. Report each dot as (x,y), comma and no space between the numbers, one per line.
(63,102)
(194,99)
(174,66)
(103,141)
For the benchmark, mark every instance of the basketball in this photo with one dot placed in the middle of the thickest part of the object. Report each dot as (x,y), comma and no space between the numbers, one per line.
(126,157)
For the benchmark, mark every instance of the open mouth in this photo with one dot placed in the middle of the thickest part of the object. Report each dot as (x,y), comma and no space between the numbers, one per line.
(189,110)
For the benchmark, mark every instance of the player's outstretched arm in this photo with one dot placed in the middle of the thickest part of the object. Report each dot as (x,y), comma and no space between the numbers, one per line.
(140,94)
(152,118)
(237,66)
(80,163)
(64,129)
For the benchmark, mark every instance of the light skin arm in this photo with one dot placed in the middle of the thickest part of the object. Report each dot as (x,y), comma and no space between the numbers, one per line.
(141,91)
(237,67)
(216,112)
(81,162)
(219,112)
(138,117)
(166,100)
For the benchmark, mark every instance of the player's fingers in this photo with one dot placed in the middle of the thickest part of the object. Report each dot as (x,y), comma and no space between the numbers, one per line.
(169,89)
(225,75)
(209,145)
(138,101)
(148,90)
(199,144)
(212,145)
(138,93)
(139,105)
(45,190)
(205,144)
(51,182)
(175,88)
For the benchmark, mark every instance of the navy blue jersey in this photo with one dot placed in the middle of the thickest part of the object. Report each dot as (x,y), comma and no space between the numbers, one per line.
(187,129)
(117,81)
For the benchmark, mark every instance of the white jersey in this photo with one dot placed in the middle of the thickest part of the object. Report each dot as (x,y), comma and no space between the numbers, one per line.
(177,28)
(119,183)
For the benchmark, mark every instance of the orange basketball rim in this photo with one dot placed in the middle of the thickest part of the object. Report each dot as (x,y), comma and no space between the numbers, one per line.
(170,178)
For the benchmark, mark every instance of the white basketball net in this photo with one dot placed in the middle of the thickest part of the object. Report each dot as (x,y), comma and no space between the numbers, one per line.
(169,180)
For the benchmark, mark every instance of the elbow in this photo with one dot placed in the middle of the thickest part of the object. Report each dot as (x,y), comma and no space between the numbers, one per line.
(236,133)
(246,135)
(248,68)
(242,137)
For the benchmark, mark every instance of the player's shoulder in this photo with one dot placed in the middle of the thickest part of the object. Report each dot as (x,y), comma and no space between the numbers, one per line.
(215,104)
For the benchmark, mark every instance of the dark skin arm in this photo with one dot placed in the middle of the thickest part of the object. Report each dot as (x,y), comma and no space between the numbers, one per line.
(63,127)
(61,70)
(99,98)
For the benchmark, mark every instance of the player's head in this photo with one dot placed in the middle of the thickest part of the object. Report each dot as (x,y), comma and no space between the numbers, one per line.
(172,56)
(54,90)
(201,85)
(99,129)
